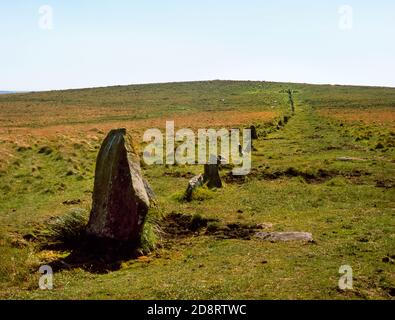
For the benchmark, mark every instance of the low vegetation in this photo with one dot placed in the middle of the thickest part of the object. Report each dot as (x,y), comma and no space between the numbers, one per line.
(327,169)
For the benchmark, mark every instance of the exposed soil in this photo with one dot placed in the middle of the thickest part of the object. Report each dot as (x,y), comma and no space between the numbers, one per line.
(319,176)
(177,225)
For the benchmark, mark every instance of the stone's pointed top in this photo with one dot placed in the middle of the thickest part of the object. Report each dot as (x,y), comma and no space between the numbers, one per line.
(120,199)
(119,130)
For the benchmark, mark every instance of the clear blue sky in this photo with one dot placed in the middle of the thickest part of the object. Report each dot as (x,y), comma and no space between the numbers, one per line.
(101,43)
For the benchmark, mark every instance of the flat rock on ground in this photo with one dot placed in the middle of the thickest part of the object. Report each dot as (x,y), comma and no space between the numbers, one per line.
(285,236)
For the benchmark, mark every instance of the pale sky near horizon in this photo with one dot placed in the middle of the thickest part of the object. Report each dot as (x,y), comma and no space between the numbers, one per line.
(103,43)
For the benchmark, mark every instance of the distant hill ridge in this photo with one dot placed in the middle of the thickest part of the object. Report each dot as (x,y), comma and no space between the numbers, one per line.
(5,92)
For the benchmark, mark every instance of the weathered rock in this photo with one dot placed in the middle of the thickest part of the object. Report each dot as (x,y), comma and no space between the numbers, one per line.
(285,236)
(195,182)
(211,174)
(120,199)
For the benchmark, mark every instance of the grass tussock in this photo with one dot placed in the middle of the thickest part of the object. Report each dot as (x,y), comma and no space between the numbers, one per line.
(151,236)
(68,229)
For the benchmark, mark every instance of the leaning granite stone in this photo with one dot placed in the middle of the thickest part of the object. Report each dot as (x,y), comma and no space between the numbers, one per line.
(120,199)
(195,182)
(285,236)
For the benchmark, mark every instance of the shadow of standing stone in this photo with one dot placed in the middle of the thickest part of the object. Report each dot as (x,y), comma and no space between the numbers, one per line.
(120,196)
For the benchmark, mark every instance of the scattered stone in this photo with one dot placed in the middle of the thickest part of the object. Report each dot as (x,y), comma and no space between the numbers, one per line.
(349,159)
(285,236)
(120,197)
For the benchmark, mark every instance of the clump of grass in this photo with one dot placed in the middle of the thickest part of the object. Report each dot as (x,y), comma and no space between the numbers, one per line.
(69,228)
(213,226)
(152,232)
(336,182)
(203,193)
(150,237)
(199,194)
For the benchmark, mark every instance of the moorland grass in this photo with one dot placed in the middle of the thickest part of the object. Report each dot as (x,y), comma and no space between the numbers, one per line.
(296,184)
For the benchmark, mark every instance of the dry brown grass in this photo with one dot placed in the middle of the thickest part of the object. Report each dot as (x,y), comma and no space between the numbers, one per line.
(193,121)
(12,138)
(384,117)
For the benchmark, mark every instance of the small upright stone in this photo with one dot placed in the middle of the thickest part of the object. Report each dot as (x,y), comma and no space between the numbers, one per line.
(120,198)
(211,174)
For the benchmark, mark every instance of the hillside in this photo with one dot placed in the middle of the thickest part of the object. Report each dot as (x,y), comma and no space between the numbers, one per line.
(328,170)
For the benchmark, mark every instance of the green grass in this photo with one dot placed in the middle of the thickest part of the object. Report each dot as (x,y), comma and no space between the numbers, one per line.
(349,209)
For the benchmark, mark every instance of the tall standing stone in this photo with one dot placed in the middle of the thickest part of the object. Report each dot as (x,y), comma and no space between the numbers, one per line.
(120,198)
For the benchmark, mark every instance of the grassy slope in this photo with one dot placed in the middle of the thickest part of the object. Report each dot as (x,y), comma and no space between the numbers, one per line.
(352,219)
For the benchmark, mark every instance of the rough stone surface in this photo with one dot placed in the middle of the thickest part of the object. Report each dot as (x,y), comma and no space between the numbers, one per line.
(211,174)
(285,236)
(195,182)
(349,159)
(120,198)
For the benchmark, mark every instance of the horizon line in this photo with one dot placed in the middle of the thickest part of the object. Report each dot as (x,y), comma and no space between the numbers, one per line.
(8,91)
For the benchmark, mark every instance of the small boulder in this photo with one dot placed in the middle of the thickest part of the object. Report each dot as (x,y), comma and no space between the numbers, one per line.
(285,236)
